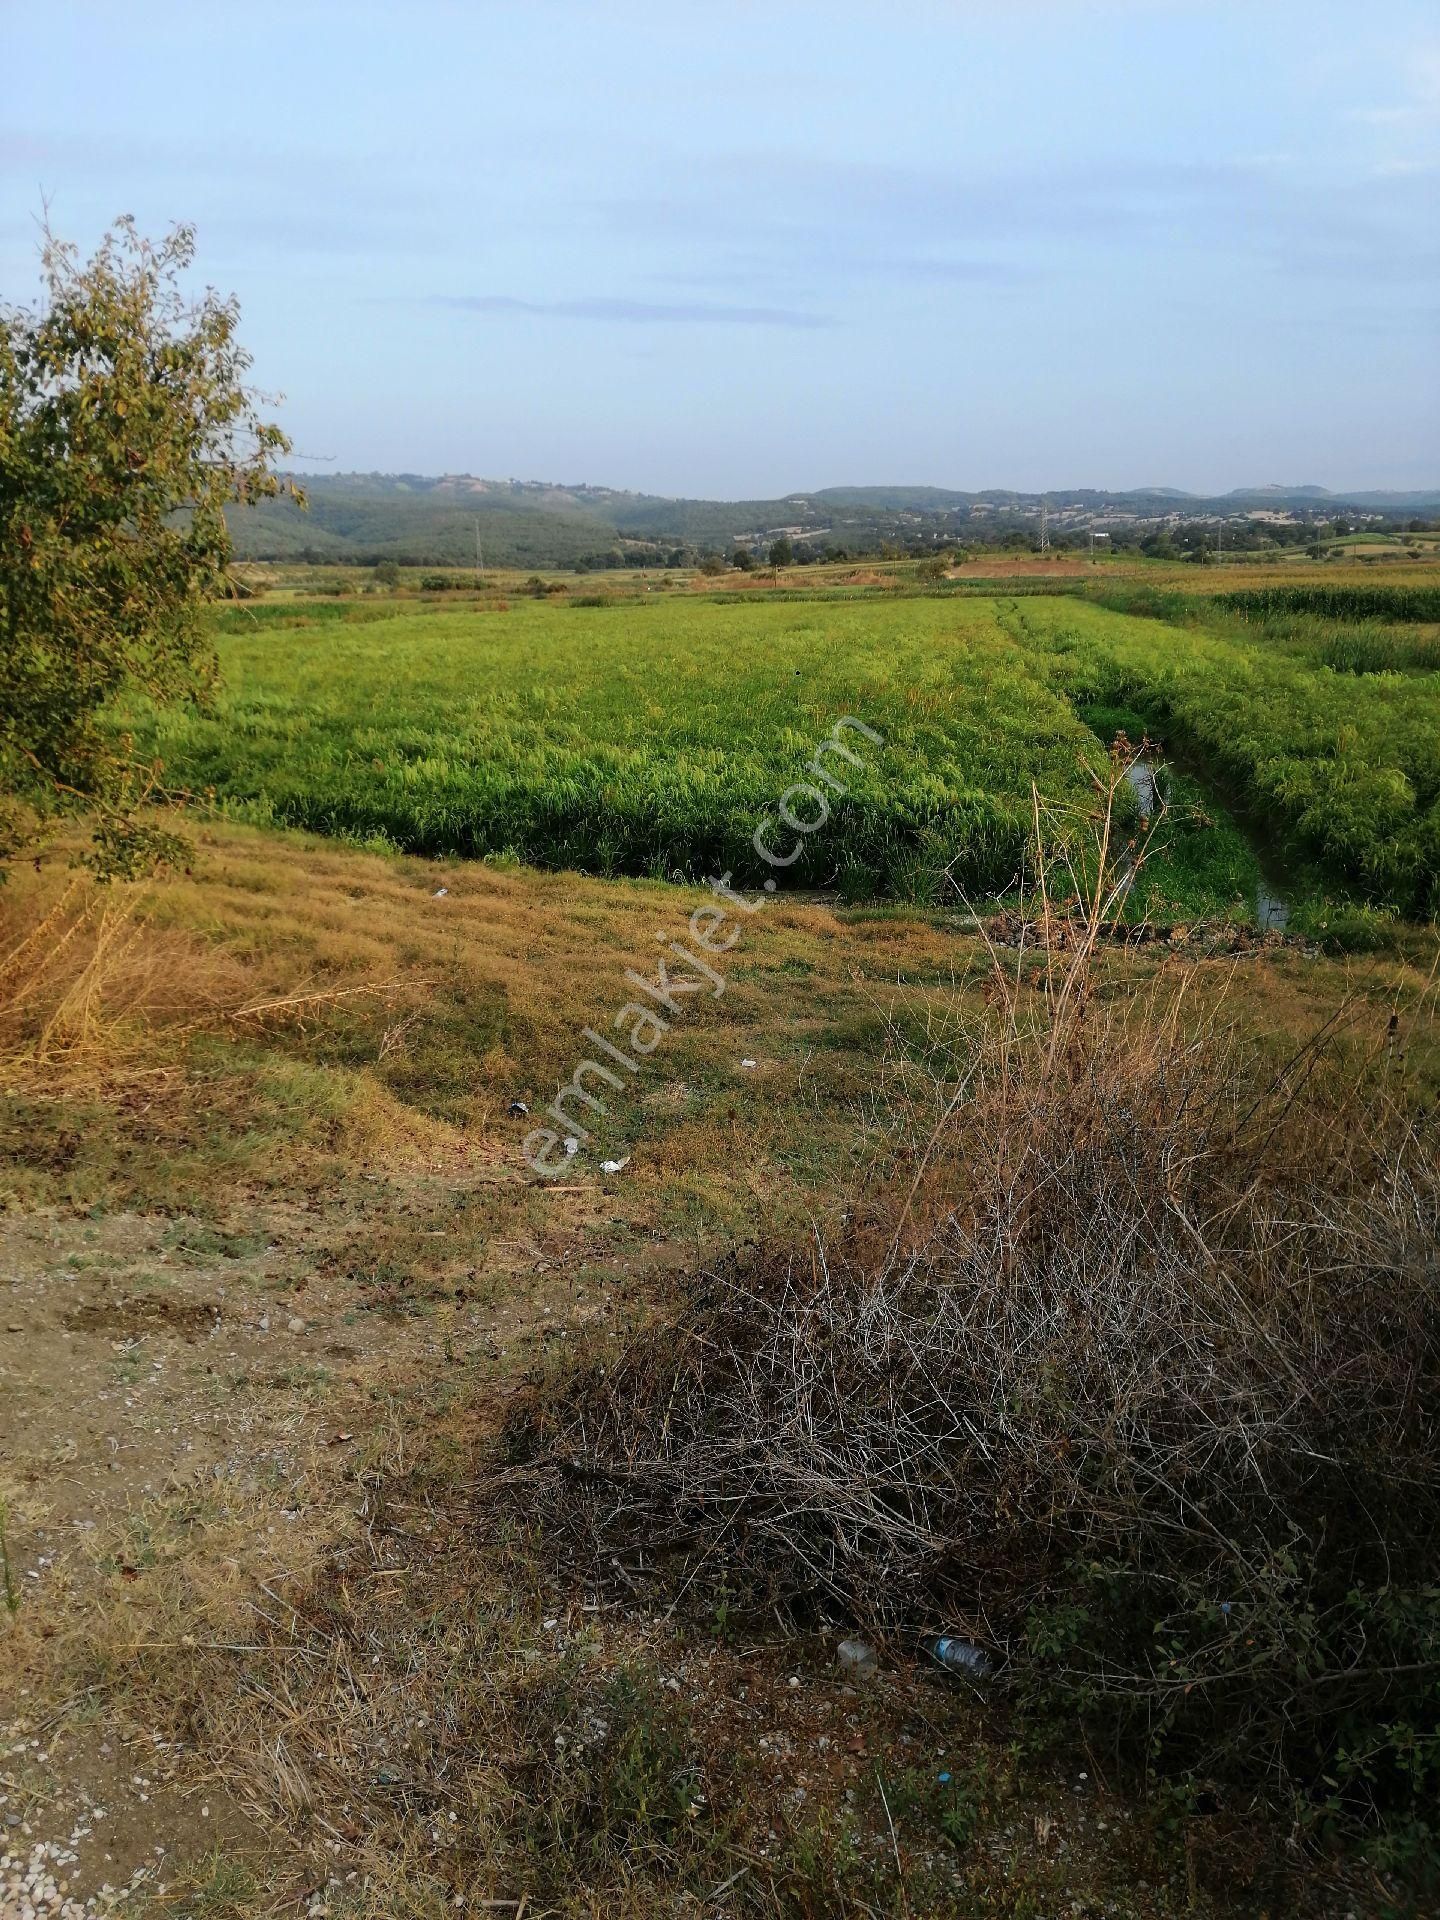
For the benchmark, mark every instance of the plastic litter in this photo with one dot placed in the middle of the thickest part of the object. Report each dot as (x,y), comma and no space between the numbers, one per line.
(961,1656)
(614,1166)
(747,1063)
(572,1147)
(518,1107)
(857,1657)
(440,893)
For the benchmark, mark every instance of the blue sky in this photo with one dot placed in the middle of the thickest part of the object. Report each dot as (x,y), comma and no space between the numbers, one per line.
(738,251)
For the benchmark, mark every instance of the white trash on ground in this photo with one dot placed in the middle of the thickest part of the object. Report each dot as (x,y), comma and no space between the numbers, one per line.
(857,1658)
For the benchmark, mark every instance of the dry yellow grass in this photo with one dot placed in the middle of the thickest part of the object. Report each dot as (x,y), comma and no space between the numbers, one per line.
(301,1050)
(300,991)
(90,986)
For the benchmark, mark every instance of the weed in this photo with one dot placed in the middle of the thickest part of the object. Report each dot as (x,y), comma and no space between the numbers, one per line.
(7,1572)
(1122,1368)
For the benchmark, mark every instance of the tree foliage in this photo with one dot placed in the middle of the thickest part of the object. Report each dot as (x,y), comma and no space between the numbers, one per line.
(126,428)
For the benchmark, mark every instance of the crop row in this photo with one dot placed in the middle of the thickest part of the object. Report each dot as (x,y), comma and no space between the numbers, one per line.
(1324,602)
(1338,772)
(652,739)
(656,738)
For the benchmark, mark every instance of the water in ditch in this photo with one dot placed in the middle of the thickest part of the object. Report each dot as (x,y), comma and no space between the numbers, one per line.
(1272,908)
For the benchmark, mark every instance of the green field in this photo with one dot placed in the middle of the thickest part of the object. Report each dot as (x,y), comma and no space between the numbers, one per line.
(1339,770)
(652,736)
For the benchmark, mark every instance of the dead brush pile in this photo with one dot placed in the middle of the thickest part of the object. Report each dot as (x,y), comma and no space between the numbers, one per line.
(1130,1368)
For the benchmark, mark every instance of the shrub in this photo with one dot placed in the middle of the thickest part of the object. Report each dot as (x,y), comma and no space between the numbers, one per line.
(620,1780)
(126,432)
(1128,1368)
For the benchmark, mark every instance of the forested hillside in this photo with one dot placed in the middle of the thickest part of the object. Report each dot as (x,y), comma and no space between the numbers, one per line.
(420,521)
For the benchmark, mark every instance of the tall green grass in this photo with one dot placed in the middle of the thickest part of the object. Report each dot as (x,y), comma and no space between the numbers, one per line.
(652,737)
(1325,602)
(1378,647)
(1338,772)
(645,739)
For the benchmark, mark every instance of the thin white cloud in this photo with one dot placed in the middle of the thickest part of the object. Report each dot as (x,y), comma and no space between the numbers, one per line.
(655,312)
(1407,130)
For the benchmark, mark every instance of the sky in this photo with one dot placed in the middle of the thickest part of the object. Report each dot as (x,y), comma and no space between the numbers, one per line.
(735,252)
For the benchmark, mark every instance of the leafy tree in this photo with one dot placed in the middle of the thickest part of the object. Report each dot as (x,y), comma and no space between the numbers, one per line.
(782,551)
(387,574)
(126,429)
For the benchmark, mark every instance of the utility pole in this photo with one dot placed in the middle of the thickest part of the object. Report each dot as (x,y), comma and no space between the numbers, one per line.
(1044,526)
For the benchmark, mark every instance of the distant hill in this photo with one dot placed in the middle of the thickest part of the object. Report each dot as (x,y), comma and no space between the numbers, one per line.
(1380,502)
(915,499)
(1278,493)
(423,520)
(419,521)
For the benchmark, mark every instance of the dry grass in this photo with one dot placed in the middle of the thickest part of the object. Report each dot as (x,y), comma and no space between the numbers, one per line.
(357,1650)
(402,1696)
(1124,1368)
(91,985)
(113,1007)
(301,990)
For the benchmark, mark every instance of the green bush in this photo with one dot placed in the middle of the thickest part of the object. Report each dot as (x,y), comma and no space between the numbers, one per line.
(616,1777)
